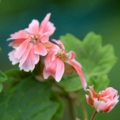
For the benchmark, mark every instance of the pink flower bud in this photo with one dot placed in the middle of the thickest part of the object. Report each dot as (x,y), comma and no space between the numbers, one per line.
(103,101)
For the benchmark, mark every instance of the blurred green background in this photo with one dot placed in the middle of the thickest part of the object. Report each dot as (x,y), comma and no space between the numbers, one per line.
(74,16)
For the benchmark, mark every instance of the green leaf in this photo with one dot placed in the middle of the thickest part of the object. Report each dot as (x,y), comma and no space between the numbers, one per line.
(1,87)
(16,75)
(100,58)
(97,60)
(91,53)
(3,77)
(70,83)
(60,112)
(29,100)
(99,83)
(71,43)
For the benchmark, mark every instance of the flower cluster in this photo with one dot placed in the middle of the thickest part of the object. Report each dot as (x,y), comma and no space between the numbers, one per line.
(33,42)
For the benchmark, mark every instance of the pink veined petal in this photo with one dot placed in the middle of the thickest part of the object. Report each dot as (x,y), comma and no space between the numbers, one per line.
(99,105)
(50,58)
(33,27)
(20,51)
(16,54)
(50,69)
(78,69)
(45,22)
(48,31)
(59,70)
(13,58)
(50,46)
(71,55)
(30,62)
(111,103)
(59,43)
(16,42)
(18,35)
(27,51)
(39,49)
(110,90)
(44,37)
(106,93)
(89,101)
(45,74)
(93,94)
(51,28)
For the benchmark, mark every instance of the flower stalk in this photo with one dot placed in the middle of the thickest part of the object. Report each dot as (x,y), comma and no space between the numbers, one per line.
(94,115)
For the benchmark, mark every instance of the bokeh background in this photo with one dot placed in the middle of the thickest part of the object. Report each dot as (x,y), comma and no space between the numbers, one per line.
(74,16)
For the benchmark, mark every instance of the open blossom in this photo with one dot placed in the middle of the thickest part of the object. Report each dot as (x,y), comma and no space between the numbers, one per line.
(31,43)
(55,63)
(103,101)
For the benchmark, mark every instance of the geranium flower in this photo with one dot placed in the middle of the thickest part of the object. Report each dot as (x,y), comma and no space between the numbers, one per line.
(31,43)
(55,63)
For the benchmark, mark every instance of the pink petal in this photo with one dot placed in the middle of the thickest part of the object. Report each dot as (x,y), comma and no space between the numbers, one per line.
(51,28)
(50,57)
(20,51)
(40,49)
(51,46)
(45,22)
(89,101)
(71,55)
(46,29)
(50,69)
(78,69)
(99,105)
(112,105)
(16,42)
(26,53)
(33,27)
(59,70)
(13,58)
(30,62)
(54,68)
(44,37)
(59,43)
(45,74)
(18,35)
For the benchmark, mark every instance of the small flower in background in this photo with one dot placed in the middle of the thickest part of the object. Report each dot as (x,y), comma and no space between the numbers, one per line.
(103,101)
(31,43)
(55,63)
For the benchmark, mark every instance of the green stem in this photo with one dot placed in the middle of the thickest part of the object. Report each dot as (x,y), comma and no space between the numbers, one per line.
(83,110)
(94,115)
(66,95)
(71,108)
(82,105)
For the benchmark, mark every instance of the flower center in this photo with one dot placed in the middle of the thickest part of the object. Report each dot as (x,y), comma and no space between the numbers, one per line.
(34,39)
(62,56)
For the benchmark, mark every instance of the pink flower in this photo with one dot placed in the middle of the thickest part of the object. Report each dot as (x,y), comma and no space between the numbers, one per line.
(55,63)
(103,101)
(31,43)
